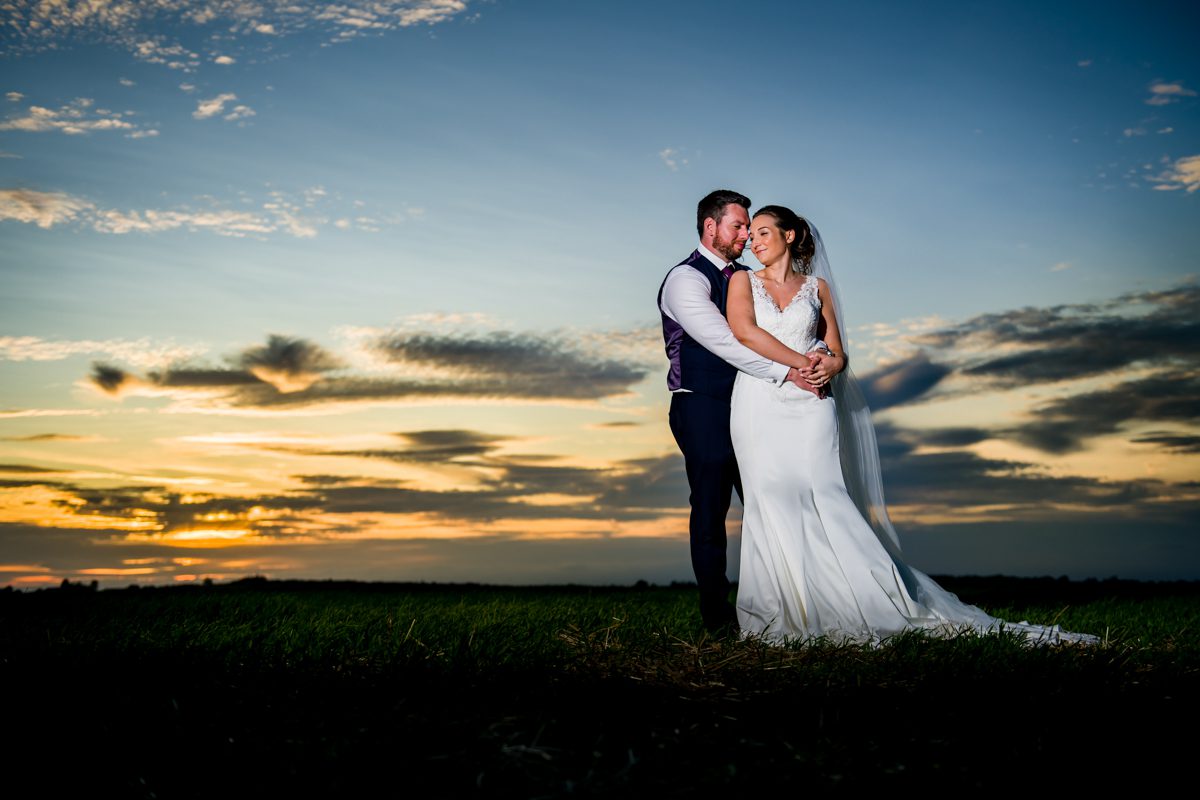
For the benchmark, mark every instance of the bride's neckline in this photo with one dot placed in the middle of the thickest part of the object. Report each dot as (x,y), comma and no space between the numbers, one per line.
(771,297)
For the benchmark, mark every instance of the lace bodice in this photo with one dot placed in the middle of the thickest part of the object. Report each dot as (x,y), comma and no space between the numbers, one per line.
(796,323)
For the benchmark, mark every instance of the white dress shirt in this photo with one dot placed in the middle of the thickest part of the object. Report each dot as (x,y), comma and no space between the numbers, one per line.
(686,298)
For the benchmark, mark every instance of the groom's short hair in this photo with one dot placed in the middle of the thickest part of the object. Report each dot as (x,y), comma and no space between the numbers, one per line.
(713,205)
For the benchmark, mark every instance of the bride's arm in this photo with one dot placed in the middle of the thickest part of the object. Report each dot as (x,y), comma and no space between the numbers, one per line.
(825,367)
(739,310)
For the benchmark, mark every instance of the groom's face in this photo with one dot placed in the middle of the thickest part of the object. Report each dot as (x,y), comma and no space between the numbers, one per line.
(732,232)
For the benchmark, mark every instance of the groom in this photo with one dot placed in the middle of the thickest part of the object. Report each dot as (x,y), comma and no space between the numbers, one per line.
(705,357)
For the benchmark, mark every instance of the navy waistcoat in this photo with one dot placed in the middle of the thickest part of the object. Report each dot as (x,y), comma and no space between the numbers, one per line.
(692,366)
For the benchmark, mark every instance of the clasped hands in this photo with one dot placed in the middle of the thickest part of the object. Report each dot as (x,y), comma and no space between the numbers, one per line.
(815,378)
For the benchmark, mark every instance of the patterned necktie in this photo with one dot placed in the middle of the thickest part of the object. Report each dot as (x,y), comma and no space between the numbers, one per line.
(728,271)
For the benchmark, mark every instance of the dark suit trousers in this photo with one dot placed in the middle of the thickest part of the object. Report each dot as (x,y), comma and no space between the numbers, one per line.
(701,428)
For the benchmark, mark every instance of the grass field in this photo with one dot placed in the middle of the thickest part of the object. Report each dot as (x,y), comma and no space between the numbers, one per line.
(348,690)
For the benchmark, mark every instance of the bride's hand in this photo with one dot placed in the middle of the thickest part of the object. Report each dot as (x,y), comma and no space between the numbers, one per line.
(821,369)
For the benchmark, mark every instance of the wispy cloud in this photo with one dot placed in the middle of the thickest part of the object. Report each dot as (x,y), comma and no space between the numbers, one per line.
(279,212)
(26,468)
(54,437)
(44,209)
(1146,344)
(154,51)
(215,106)
(900,382)
(513,364)
(48,555)
(21,413)
(1036,345)
(1184,173)
(939,485)
(290,365)
(1163,93)
(290,373)
(171,32)
(1174,442)
(674,158)
(143,353)
(155,509)
(239,112)
(225,222)
(958,478)
(1063,425)
(440,446)
(331,505)
(76,117)
(505,489)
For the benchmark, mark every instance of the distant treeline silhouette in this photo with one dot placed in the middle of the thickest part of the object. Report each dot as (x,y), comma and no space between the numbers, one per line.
(979,589)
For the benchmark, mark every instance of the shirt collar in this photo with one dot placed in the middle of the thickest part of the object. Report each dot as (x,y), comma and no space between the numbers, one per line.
(717,261)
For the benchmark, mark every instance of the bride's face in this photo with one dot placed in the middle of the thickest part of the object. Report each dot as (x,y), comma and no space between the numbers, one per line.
(767,242)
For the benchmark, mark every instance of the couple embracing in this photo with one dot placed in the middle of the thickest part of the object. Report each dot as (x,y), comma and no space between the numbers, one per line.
(763,403)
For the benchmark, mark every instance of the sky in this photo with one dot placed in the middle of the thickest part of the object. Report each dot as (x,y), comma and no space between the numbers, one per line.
(366,291)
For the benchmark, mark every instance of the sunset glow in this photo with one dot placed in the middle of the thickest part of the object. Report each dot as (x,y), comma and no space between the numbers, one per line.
(292,295)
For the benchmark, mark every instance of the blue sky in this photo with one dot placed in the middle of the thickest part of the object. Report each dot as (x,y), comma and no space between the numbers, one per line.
(453,217)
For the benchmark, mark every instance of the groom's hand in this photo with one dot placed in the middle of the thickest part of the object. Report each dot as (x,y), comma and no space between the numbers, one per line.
(795,376)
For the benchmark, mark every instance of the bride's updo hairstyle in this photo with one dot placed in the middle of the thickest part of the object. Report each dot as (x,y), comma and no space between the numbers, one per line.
(802,248)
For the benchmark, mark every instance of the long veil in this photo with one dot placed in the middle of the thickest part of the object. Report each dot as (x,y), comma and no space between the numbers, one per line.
(857,445)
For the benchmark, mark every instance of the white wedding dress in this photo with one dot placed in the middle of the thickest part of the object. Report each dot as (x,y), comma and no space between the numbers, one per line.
(811,565)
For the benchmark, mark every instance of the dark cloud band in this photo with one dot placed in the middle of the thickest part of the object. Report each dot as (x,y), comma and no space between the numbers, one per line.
(288,372)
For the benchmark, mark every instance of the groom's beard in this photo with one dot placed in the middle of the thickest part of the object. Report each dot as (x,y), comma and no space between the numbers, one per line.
(729,248)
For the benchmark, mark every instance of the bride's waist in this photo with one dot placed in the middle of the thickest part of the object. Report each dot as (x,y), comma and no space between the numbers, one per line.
(788,393)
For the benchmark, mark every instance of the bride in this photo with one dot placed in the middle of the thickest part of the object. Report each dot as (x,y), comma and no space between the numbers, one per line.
(819,555)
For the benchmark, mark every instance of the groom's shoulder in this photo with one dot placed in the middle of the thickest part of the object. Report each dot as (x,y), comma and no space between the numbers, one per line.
(685,266)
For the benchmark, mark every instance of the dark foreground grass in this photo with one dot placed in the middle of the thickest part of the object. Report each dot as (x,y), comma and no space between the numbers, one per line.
(348,690)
